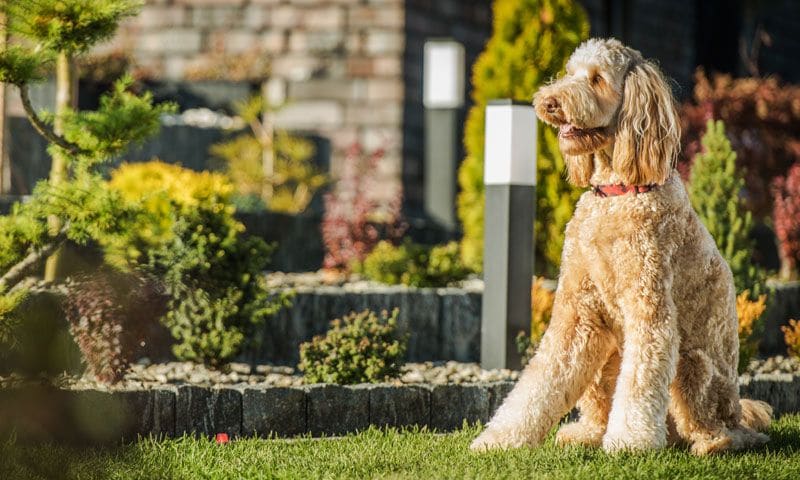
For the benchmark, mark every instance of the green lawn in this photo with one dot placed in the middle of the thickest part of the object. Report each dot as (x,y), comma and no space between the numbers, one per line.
(377,454)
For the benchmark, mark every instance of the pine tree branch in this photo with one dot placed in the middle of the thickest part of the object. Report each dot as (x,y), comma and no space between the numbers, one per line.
(33,260)
(42,128)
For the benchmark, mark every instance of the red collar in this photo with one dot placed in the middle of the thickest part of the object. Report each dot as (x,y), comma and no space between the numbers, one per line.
(620,189)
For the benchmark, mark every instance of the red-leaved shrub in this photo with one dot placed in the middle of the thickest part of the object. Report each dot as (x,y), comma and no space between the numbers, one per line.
(354,221)
(113,317)
(762,122)
(786,191)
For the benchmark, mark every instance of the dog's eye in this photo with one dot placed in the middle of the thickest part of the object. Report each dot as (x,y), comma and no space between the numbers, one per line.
(596,79)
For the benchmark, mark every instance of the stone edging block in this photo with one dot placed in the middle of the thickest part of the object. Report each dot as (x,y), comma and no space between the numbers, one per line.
(208,411)
(451,405)
(279,411)
(399,406)
(336,410)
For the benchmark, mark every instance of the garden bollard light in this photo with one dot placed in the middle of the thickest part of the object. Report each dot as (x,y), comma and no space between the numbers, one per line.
(510,180)
(443,98)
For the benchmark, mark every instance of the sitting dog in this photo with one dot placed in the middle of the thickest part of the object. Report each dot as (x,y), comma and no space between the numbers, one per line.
(643,334)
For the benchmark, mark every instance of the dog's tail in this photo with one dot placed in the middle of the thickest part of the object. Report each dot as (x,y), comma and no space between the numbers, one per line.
(755,414)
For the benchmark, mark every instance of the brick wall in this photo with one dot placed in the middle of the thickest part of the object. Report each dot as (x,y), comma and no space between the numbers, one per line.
(338,62)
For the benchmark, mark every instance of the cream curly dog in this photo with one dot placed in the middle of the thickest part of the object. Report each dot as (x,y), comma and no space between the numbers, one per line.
(644,331)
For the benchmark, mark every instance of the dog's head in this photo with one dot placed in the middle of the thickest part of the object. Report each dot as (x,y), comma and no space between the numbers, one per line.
(611,97)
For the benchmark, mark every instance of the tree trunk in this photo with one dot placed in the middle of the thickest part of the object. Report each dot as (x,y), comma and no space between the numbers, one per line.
(267,140)
(5,170)
(66,98)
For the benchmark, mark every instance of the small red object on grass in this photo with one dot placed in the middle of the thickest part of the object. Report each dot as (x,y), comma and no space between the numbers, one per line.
(222,438)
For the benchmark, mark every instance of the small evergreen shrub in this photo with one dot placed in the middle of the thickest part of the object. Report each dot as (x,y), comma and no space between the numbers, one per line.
(531,40)
(715,191)
(113,316)
(359,348)
(786,191)
(749,314)
(542,300)
(791,335)
(353,222)
(413,264)
(211,270)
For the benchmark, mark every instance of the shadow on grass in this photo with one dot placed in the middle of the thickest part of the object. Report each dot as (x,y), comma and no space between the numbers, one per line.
(784,437)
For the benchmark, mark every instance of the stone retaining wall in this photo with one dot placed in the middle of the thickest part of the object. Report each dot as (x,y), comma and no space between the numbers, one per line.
(102,417)
(444,323)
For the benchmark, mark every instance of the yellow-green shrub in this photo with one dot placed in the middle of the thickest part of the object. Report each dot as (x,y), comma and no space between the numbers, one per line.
(294,179)
(413,264)
(530,43)
(166,192)
(749,314)
(542,299)
(791,335)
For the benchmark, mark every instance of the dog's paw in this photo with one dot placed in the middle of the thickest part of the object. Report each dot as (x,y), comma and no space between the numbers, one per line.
(632,442)
(491,439)
(577,433)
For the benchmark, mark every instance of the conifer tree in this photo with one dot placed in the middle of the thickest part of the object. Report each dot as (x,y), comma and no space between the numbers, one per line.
(715,190)
(530,43)
(64,29)
(86,210)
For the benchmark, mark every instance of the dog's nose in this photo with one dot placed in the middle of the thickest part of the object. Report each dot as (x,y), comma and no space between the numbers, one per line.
(551,104)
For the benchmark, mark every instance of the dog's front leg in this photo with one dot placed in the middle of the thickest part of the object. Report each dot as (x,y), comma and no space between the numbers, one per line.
(649,357)
(571,352)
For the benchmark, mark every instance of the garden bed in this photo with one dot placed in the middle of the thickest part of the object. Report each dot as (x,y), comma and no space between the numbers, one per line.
(94,415)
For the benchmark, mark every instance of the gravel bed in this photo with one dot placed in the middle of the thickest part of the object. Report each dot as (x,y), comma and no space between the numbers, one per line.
(144,375)
(351,283)
(776,364)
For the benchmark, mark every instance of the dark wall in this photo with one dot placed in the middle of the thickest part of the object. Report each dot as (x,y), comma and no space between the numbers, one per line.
(661,30)
(684,34)
(781,20)
(466,21)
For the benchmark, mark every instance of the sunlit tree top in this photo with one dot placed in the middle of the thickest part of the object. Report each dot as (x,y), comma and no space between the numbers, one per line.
(71,26)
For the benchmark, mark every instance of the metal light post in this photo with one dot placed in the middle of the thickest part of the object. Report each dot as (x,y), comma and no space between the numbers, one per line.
(510,179)
(443,97)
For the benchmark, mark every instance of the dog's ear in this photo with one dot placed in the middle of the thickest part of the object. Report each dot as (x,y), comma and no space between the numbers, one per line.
(648,132)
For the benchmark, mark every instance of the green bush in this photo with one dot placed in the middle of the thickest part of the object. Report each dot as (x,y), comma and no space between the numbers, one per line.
(359,348)
(188,236)
(530,43)
(413,264)
(715,190)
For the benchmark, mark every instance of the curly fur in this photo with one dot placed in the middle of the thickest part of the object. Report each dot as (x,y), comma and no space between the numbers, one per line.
(643,335)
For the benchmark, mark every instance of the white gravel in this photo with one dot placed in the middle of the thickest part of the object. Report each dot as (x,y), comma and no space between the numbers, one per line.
(145,374)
